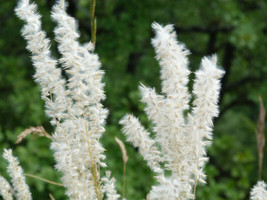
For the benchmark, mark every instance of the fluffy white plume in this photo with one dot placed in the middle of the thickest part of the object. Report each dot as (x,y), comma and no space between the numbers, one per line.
(171,188)
(206,90)
(109,187)
(83,67)
(47,74)
(139,137)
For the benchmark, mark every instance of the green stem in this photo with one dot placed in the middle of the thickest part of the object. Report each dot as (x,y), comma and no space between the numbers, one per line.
(123,184)
(93,21)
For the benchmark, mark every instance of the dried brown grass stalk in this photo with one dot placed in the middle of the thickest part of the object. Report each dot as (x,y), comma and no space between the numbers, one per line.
(125,160)
(38,130)
(260,136)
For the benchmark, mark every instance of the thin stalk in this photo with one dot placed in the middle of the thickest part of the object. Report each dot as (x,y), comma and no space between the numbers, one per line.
(125,160)
(123,181)
(260,137)
(94,32)
(93,21)
(45,180)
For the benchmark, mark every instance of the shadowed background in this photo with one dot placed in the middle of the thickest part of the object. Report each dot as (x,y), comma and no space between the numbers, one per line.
(234,29)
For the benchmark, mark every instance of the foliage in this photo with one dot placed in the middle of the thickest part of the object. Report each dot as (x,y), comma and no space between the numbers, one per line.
(235,29)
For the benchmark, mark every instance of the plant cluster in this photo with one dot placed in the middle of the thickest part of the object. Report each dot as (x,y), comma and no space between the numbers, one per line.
(177,153)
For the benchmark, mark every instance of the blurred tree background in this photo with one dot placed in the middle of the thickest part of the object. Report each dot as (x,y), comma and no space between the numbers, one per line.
(234,29)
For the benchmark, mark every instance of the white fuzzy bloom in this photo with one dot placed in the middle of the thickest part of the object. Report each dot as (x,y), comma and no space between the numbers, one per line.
(259,191)
(154,108)
(182,140)
(139,137)
(169,120)
(77,150)
(83,67)
(17,177)
(206,89)
(74,158)
(47,74)
(171,188)
(5,189)
(109,187)
(172,57)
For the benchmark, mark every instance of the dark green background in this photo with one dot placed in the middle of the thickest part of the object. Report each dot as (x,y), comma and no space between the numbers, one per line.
(234,29)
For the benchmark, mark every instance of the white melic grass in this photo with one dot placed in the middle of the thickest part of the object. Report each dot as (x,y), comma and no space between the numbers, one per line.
(181,140)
